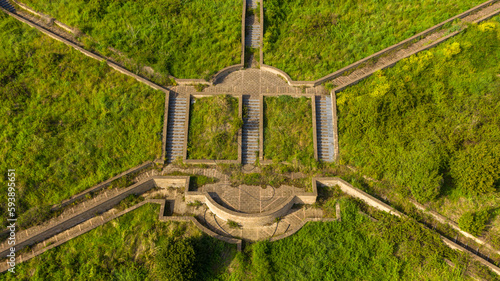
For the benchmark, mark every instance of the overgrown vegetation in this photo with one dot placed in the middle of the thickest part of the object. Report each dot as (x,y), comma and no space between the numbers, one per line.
(431,122)
(288,133)
(135,246)
(354,249)
(214,124)
(310,39)
(186,39)
(195,181)
(474,222)
(69,122)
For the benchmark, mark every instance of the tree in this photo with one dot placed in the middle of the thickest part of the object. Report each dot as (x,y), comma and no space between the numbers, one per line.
(175,260)
(476,169)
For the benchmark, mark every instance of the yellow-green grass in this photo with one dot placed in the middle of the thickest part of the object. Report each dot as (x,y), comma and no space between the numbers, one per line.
(431,123)
(126,248)
(309,39)
(214,124)
(288,131)
(69,122)
(186,39)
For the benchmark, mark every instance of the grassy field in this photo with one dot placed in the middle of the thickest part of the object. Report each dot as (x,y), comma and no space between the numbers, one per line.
(432,124)
(129,248)
(288,129)
(69,122)
(186,39)
(310,39)
(354,249)
(139,247)
(214,123)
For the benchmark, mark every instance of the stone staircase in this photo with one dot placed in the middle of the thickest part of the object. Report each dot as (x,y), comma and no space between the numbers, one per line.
(176,126)
(324,126)
(252,4)
(7,6)
(252,26)
(250,137)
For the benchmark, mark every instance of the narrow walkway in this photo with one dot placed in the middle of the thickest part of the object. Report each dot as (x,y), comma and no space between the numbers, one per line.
(7,6)
(176,126)
(250,137)
(324,126)
(252,33)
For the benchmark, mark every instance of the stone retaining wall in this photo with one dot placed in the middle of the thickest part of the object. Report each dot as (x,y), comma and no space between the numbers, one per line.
(165,129)
(100,186)
(27,256)
(315,130)
(336,150)
(92,209)
(444,220)
(355,192)
(261,58)
(251,218)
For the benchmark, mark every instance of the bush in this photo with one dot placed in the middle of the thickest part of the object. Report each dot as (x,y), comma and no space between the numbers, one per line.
(476,169)
(175,260)
(474,222)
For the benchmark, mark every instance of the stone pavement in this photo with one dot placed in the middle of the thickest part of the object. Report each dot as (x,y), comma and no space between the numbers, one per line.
(251,81)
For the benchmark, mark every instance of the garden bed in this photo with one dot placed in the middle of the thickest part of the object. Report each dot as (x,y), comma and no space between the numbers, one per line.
(214,124)
(288,130)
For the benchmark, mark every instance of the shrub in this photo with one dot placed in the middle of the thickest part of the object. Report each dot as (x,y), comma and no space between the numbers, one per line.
(474,222)
(175,260)
(476,169)
(233,224)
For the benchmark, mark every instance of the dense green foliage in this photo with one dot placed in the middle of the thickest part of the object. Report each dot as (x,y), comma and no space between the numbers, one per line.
(474,222)
(214,124)
(69,122)
(133,247)
(186,39)
(175,260)
(476,169)
(435,112)
(354,249)
(309,39)
(288,132)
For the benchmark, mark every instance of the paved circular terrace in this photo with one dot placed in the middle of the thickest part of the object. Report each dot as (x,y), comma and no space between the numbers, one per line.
(250,81)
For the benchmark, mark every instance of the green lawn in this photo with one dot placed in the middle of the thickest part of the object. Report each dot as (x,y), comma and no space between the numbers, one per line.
(128,248)
(432,123)
(69,122)
(309,39)
(186,39)
(214,123)
(288,132)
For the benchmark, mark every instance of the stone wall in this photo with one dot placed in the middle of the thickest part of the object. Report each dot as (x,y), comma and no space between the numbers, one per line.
(357,193)
(100,186)
(315,131)
(165,129)
(29,255)
(336,150)
(92,209)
